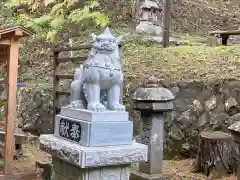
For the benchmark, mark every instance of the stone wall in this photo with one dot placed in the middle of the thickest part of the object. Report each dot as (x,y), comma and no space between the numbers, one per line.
(35,110)
(199,106)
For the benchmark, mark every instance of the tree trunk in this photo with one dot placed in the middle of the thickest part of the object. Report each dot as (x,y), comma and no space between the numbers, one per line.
(218,154)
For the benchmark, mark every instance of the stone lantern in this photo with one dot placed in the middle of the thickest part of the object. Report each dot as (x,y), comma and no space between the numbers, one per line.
(150,17)
(152,101)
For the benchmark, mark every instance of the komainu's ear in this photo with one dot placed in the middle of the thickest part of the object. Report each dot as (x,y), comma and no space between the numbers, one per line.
(107,31)
(119,40)
(94,37)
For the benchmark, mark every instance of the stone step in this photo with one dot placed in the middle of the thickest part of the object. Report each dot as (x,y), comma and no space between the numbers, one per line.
(46,166)
(20,137)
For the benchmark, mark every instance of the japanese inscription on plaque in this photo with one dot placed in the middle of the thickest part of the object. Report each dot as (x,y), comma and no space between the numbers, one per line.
(70,129)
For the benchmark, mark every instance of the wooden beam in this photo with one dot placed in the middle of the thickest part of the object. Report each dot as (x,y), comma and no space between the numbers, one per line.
(62,93)
(81,3)
(73,59)
(29,176)
(81,47)
(233,32)
(2,124)
(19,33)
(166,22)
(3,102)
(64,76)
(3,81)
(55,83)
(5,42)
(11,109)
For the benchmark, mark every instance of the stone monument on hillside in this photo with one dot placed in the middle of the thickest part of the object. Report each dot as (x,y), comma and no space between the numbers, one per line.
(149,14)
(92,139)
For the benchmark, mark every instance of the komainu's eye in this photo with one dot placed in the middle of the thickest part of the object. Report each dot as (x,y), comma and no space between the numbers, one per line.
(98,39)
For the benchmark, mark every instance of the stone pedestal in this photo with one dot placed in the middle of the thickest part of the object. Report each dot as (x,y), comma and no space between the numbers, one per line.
(61,170)
(92,145)
(152,101)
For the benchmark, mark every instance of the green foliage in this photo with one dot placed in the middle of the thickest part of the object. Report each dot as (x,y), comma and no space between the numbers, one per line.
(56,15)
(5,12)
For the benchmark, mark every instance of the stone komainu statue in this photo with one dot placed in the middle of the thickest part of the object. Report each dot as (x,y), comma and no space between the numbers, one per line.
(97,83)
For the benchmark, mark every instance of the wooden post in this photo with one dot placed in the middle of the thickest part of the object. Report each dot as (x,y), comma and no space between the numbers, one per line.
(11,107)
(81,3)
(166,22)
(55,83)
(9,39)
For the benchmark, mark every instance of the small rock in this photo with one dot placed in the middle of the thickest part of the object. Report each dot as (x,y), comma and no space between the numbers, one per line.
(218,121)
(175,133)
(231,106)
(185,119)
(146,27)
(235,127)
(211,103)
(233,119)
(165,83)
(186,146)
(185,149)
(196,107)
(174,90)
(203,120)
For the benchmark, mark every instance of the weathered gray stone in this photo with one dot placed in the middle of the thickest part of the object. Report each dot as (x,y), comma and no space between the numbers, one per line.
(233,119)
(153,94)
(149,16)
(87,115)
(211,103)
(175,133)
(218,120)
(97,133)
(92,156)
(185,119)
(235,131)
(196,107)
(152,135)
(203,120)
(235,127)
(63,169)
(35,109)
(157,106)
(135,175)
(152,102)
(231,106)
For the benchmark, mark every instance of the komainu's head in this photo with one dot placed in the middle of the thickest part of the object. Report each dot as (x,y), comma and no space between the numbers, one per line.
(106,41)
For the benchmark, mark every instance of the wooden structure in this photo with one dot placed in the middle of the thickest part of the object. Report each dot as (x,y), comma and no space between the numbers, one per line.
(224,35)
(166,22)
(218,154)
(9,49)
(57,60)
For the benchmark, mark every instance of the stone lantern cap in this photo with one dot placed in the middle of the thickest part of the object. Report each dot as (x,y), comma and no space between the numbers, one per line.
(153,92)
(152,97)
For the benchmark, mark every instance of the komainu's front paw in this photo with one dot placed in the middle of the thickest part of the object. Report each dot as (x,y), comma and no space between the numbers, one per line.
(117,107)
(96,107)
